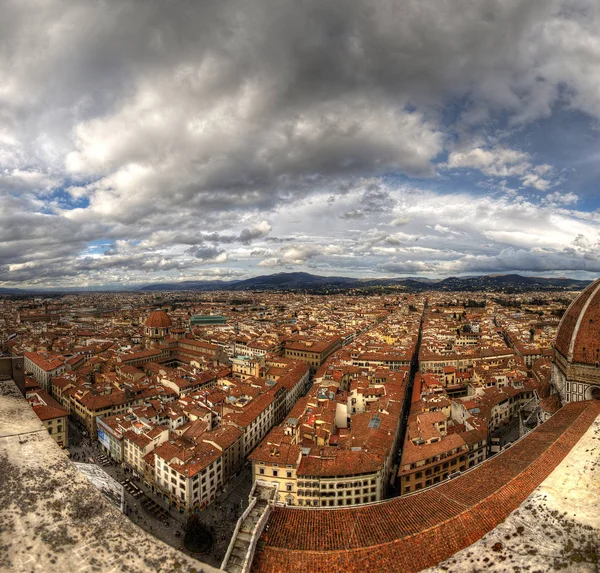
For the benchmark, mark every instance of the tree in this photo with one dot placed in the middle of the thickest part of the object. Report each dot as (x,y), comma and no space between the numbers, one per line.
(198,537)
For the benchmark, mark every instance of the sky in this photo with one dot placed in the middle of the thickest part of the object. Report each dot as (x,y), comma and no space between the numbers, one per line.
(163,140)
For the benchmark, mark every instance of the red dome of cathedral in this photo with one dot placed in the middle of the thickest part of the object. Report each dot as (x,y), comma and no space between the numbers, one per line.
(158,319)
(578,337)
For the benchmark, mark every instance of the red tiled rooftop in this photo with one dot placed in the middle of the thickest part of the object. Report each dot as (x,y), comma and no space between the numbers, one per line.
(414,532)
(45,362)
(413,453)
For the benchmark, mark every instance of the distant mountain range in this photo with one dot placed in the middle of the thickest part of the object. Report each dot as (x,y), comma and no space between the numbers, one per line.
(315,283)
(309,282)
(12,291)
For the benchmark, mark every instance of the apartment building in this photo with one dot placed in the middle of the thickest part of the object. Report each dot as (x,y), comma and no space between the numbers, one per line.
(139,441)
(188,477)
(431,454)
(43,367)
(313,352)
(50,413)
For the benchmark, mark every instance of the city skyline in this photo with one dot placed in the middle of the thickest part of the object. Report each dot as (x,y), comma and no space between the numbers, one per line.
(142,143)
(242,417)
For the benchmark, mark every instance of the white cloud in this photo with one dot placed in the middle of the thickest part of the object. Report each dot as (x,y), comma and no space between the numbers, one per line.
(503,162)
(558,198)
(270,262)
(258,231)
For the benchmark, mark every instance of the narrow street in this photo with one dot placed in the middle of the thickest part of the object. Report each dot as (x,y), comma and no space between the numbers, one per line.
(414,368)
(220,517)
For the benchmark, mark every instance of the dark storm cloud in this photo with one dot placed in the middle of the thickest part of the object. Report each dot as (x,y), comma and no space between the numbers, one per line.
(205,253)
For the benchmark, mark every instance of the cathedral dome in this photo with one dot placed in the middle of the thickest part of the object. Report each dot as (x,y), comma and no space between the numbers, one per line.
(578,337)
(158,319)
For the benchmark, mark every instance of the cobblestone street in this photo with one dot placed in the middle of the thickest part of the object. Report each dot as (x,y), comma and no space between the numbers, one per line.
(220,516)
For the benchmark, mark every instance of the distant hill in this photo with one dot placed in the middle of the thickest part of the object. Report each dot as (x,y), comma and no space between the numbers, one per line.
(293,281)
(11,291)
(190,285)
(310,282)
(510,282)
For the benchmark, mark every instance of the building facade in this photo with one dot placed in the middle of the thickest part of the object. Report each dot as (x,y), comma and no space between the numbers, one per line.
(576,360)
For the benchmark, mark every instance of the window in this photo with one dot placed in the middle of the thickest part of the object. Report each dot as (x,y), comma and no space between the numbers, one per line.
(261,471)
(275,473)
